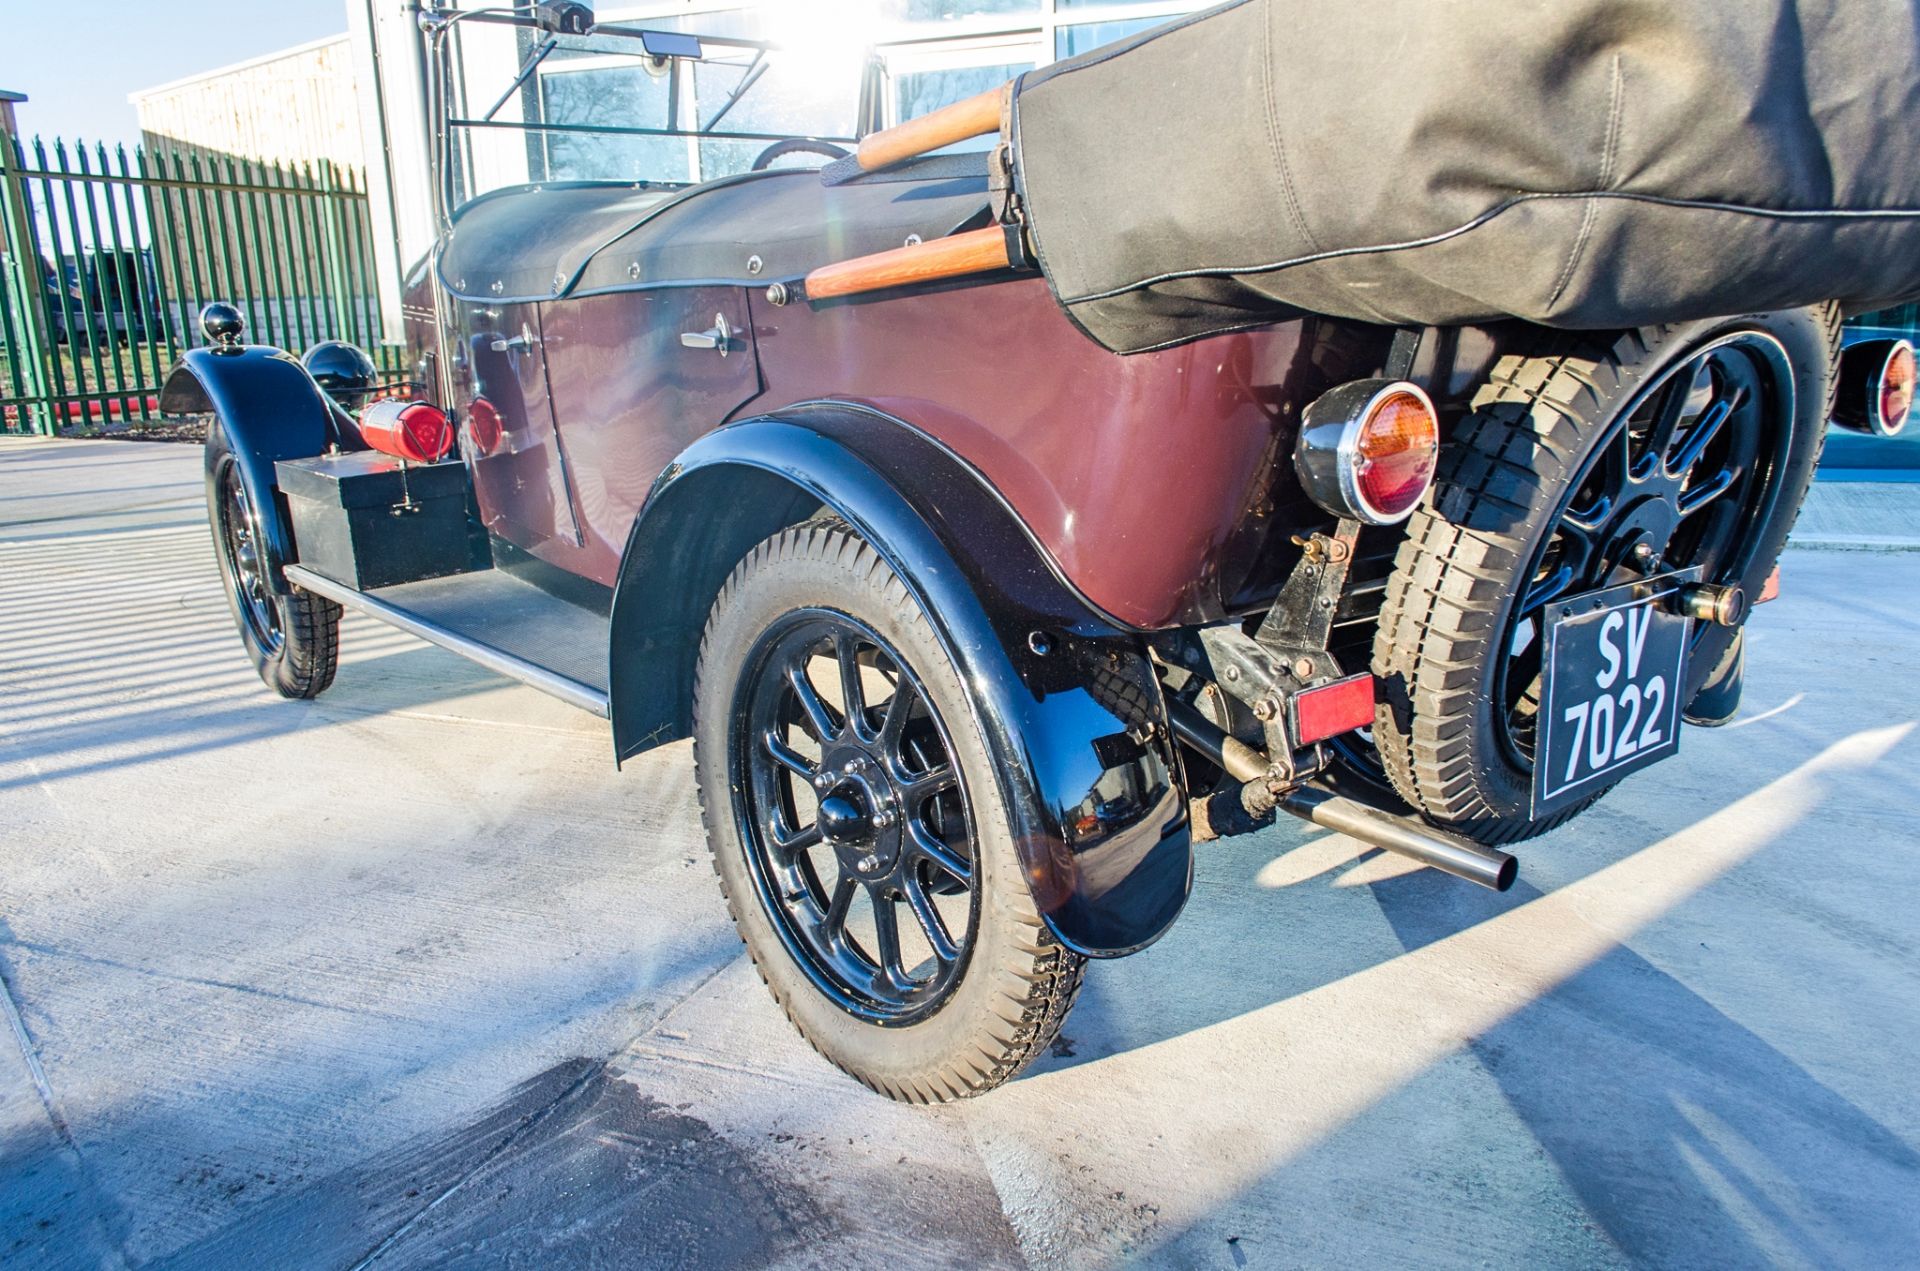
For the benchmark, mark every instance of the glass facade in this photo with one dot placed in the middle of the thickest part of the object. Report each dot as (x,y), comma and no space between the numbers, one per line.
(1070,41)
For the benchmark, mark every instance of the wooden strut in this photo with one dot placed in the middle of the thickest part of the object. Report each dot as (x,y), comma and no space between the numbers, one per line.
(976,116)
(972,252)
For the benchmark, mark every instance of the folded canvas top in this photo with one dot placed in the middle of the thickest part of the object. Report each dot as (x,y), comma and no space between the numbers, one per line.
(1579,163)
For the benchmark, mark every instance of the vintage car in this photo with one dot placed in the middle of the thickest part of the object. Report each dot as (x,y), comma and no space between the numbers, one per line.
(978,626)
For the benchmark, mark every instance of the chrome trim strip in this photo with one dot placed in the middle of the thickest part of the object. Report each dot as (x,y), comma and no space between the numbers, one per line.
(572,692)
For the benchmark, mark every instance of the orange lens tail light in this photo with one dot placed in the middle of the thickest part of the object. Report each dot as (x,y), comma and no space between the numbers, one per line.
(1896,389)
(1876,384)
(1367,450)
(1394,458)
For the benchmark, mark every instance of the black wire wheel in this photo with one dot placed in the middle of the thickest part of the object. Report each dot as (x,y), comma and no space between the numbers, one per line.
(857,828)
(1580,467)
(293,639)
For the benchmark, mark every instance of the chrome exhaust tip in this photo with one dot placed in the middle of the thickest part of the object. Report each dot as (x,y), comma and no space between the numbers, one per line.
(1449,853)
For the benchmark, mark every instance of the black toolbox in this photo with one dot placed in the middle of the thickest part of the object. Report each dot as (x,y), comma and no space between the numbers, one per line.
(369,520)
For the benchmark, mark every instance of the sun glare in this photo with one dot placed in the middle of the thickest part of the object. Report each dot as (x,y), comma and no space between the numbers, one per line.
(829,38)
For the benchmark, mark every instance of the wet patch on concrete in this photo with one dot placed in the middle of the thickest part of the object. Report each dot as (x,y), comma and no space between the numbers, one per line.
(575,1168)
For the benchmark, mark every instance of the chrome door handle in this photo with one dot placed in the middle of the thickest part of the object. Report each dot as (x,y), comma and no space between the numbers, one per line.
(525,340)
(718,336)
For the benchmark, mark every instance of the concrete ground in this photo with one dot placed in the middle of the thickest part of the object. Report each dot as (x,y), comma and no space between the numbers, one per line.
(409,976)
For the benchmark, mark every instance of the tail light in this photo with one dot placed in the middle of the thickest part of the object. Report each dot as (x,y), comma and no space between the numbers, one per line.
(415,431)
(483,425)
(1367,450)
(1876,387)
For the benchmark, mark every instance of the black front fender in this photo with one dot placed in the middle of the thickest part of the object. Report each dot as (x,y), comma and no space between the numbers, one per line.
(1065,699)
(266,408)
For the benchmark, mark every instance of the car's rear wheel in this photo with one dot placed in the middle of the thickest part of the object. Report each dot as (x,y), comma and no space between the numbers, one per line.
(857,826)
(293,639)
(1583,465)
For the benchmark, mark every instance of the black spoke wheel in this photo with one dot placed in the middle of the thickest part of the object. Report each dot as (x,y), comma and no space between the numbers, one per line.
(858,829)
(245,565)
(859,835)
(1678,479)
(291,636)
(1580,466)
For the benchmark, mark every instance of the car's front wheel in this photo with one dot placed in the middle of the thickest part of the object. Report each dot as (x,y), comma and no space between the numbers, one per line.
(293,639)
(858,830)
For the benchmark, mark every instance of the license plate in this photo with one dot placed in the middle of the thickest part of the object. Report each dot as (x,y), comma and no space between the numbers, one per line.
(1614,673)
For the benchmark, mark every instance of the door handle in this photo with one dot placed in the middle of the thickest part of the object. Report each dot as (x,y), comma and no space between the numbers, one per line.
(718,336)
(525,340)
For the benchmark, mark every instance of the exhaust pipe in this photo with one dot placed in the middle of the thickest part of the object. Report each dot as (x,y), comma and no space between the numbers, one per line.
(1450,853)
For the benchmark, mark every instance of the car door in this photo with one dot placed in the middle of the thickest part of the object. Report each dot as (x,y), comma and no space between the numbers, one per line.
(508,438)
(629,395)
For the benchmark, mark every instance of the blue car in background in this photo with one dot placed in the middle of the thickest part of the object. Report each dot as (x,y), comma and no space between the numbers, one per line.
(102,296)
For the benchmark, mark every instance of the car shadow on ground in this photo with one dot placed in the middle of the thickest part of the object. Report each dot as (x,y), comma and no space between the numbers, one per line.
(1689,1138)
(1685,1137)
(106,665)
(58,739)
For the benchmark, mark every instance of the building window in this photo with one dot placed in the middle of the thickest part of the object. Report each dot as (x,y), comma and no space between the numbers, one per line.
(1070,41)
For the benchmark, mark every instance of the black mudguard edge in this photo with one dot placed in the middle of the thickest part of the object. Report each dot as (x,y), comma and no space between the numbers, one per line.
(266,408)
(1078,734)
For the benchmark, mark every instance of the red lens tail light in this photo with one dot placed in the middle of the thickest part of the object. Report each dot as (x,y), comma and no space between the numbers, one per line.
(1394,456)
(483,425)
(1876,386)
(1332,709)
(415,431)
(1367,450)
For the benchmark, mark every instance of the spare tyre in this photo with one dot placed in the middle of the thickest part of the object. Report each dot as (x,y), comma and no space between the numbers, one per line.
(1585,462)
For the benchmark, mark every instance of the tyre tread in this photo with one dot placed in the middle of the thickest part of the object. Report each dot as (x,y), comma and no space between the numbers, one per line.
(1039,978)
(1528,426)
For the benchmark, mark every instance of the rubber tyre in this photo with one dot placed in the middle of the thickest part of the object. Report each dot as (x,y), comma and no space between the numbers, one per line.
(1503,476)
(303,663)
(1017,982)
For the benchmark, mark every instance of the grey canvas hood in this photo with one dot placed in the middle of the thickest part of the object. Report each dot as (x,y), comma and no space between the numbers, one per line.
(1579,163)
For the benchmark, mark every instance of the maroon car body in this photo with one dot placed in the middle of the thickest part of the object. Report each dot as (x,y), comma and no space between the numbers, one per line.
(1075,610)
(1154,482)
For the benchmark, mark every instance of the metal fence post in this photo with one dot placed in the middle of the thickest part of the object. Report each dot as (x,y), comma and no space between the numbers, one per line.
(338,284)
(28,338)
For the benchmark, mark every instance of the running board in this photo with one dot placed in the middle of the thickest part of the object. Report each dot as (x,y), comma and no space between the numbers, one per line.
(483,617)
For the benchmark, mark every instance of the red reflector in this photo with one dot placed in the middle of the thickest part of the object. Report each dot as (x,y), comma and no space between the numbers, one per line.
(1770,590)
(1332,709)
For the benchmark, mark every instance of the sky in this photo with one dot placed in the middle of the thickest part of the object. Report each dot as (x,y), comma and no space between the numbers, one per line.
(76,60)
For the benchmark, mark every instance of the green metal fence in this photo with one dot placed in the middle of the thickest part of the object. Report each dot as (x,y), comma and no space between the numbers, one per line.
(106,259)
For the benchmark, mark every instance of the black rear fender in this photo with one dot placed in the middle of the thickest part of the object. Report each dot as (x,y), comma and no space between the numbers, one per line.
(1065,699)
(265,408)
